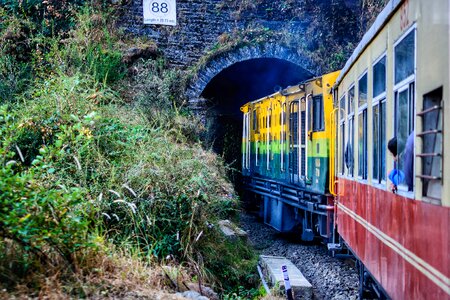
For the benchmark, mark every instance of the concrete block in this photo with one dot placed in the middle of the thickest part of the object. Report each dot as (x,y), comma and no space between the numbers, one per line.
(271,266)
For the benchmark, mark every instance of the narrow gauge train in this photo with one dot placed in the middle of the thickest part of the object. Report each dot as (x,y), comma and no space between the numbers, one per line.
(285,156)
(316,155)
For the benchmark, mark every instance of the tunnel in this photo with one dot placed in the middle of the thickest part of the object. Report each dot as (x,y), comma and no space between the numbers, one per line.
(234,86)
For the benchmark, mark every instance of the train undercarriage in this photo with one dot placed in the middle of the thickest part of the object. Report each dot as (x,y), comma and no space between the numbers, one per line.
(290,208)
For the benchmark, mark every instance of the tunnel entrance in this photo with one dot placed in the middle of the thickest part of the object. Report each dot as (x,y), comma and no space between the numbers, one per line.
(231,88)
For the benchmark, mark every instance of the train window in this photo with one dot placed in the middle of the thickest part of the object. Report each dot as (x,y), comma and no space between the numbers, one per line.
(379,141)
(342,108)
(349,147)
(404,128)
(404,90)
(431,155)
(342,133)
(362,144)
(318,123)
(362,90)
(362,128)
(379,77)
(379,121)
(255,121)
(404,55)
(351,99)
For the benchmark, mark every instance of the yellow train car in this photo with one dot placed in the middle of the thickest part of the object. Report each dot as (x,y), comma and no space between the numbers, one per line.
(286,152)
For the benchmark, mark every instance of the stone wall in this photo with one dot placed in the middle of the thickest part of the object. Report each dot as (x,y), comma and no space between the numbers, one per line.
(310,25)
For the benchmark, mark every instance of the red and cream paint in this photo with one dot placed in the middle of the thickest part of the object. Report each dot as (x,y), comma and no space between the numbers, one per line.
(403,242)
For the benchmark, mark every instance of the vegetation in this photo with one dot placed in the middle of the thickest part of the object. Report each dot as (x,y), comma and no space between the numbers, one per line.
(97,192)
(105,189)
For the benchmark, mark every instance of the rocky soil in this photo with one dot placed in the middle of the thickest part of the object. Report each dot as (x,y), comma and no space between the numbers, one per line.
(331,278)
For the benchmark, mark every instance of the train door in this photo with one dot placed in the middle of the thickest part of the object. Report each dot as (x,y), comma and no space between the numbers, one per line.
(268,138)
(246,142)
(257,134)
(294,141)
(282,137)
(303,140)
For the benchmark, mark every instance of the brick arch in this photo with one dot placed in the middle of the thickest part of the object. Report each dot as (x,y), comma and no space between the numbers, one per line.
(216,65)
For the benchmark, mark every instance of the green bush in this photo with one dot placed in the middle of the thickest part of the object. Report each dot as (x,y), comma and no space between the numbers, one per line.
(51,16)
(47,220)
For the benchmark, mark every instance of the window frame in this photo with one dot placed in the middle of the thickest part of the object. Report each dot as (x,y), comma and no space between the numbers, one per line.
(379,182)
(350,120)
(361,109)
(401,86)
(375,62)
(342,123)
(396,43)
(377,101)
(364,73)
(320,121)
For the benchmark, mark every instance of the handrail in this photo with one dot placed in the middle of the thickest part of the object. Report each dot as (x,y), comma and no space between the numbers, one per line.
(307,117)
(299,141)
(247,149)
(244,141)
(332,160)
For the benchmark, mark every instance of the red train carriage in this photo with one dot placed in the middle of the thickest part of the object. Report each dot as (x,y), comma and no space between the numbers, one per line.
(396,84)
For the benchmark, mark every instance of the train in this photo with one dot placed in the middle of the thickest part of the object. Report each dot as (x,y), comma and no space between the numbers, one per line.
(356,157)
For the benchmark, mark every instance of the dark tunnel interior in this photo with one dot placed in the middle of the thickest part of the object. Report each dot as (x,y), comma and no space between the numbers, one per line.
(234,86)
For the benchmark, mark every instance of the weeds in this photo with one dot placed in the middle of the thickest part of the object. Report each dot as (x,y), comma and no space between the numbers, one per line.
(83,174)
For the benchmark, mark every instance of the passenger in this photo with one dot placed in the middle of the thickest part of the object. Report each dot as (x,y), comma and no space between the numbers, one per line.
(407,174)
(395,176)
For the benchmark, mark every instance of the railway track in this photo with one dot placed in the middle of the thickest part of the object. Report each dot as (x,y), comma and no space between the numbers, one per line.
(331,278)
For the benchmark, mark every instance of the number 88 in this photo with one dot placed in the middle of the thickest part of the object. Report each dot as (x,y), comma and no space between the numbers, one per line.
(156,8)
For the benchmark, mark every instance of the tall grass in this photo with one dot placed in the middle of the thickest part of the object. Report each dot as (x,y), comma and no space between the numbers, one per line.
(82,170)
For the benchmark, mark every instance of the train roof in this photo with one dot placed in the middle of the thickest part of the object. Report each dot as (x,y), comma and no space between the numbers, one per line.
(376,27)
(286,91)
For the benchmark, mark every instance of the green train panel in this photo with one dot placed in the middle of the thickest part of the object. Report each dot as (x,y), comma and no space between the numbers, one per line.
(286,136)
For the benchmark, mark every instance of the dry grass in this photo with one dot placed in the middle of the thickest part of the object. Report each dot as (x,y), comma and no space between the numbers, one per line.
(104,276)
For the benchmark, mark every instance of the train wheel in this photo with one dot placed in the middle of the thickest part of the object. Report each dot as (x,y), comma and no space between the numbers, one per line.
(368,288)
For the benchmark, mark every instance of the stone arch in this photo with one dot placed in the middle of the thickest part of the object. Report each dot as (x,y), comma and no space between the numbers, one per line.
(217,65)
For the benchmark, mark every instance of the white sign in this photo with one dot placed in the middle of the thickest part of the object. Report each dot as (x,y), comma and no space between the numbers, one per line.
(163,12)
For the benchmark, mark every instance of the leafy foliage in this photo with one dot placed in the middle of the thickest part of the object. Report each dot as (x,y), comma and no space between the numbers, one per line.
(81,170)
(49,221)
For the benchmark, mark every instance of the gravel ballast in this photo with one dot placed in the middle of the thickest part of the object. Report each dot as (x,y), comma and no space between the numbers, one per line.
(331,278)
